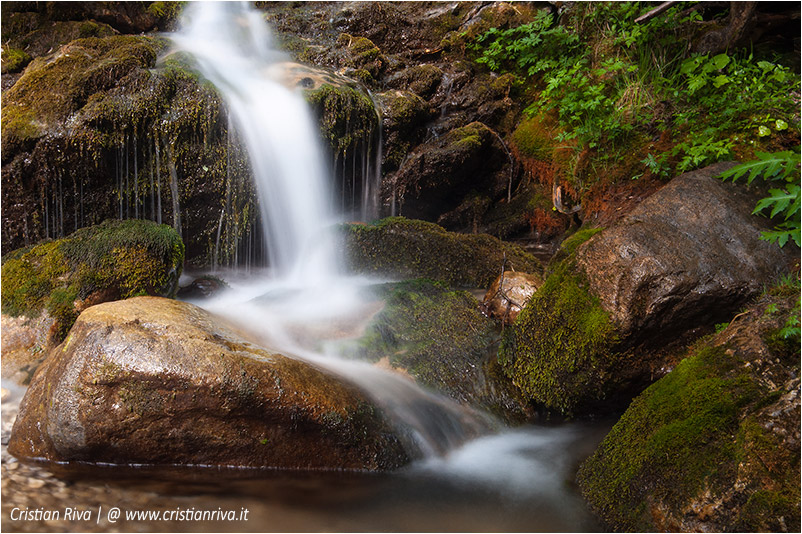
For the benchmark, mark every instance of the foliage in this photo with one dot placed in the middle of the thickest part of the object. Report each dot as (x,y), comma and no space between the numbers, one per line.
(612,85)
(784,201)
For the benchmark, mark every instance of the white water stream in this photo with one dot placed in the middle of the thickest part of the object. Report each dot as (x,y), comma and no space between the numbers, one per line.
(305,302)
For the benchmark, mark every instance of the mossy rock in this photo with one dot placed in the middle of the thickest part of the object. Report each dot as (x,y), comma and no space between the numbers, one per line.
(402,248)
(403,114)
(14,60)
(361,54)
(438,336)
(714,445)
(561,349)
(116,259)
(346,115)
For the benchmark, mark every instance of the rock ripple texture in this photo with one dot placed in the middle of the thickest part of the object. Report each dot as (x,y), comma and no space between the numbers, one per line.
(156,381)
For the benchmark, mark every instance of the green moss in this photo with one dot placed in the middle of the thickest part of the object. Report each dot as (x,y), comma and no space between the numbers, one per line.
(406,249)
(125,258)
(532,140)
(14,60)
(676,442)
(346,115)
(571,243)
(561,349)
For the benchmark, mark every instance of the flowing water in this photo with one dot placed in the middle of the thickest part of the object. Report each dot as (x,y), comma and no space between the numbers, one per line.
(471,475)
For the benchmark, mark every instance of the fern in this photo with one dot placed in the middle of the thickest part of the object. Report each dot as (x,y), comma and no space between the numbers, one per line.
(785,201)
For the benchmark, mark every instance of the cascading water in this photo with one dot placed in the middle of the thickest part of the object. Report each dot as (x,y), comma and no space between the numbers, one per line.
(232,46)
(293,309)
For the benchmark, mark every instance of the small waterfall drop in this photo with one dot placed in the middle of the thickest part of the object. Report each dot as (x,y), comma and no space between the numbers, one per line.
(231,44)
(301,308)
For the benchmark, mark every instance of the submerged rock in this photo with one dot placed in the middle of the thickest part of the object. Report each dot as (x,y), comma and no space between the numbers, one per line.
(600,328)
(401,248)
(109,261)
(157,381)
(714,445)
(24,345)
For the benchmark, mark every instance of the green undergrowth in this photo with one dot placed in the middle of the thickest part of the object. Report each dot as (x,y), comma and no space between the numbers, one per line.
(402,248)
(624,100)
(560,350)
(115,259)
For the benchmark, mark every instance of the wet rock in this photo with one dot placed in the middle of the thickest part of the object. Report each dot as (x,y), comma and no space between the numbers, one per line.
(619,304)
(403,116)
(202,288)
(400,248)
(115,259)
(25,341)
(157,381)
(714,445)
(509,293)
(438,336)
(423,80)
(440,175)
(690,254)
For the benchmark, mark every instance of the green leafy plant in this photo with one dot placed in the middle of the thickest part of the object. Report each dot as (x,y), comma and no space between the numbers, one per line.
(783,201)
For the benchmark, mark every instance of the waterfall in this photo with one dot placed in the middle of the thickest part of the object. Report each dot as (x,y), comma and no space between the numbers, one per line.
(305,303)
(231,44)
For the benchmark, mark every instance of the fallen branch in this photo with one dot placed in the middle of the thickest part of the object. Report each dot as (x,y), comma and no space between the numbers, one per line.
(654,12)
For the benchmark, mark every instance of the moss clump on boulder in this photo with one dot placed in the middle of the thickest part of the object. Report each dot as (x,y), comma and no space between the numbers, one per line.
(14,60)
(346,115)
(711,447)
(438,335)
(561,349)
(115,259)
(402,248)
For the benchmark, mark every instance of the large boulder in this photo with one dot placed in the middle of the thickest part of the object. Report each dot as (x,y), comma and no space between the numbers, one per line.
(157,381)
(401,248)
(619,305)
(109,261)
(690,254)
(438,336)
(714,445)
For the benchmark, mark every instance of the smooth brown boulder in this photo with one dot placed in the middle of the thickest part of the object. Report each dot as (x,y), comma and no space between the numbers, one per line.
(689,255)
(156,381)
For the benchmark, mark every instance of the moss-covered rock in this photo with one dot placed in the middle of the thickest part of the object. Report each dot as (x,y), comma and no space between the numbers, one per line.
(14,59)
(439,176)
(714,445)
(561,349)
(403,114)
(401,248)
(346,114)
(116,259)
(438,336)
(361,55)
(141,140)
